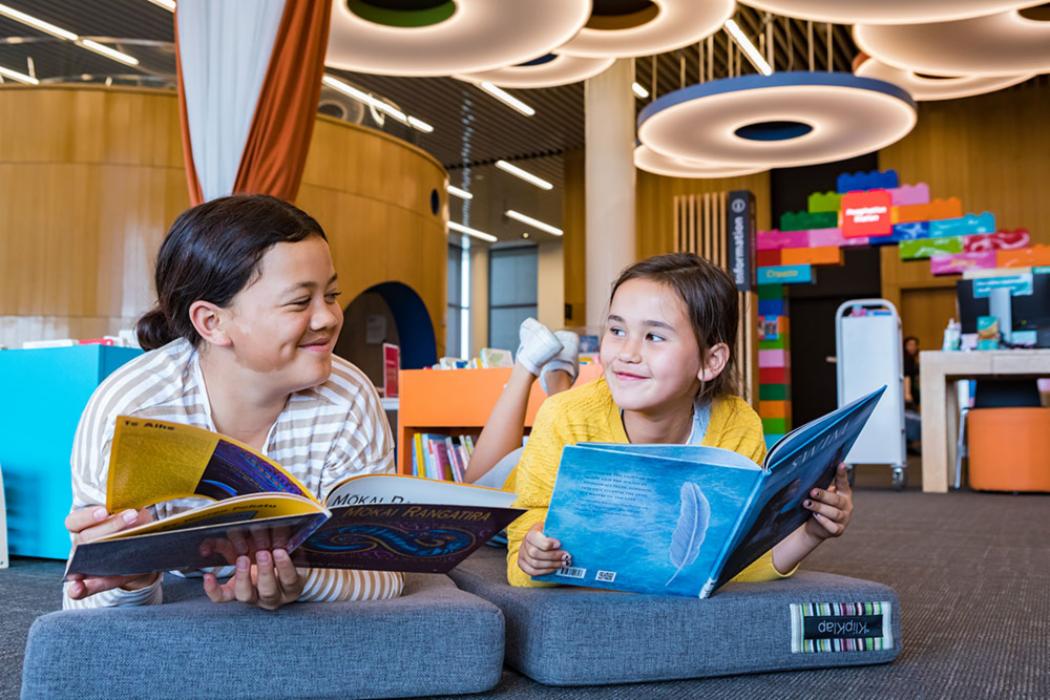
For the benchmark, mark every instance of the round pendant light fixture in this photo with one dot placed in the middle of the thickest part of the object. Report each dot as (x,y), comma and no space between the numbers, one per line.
(781,120)
(444,37)
(1007,43)
(650,161)
(551,70)
(925,88)
(887,11)
(619,28)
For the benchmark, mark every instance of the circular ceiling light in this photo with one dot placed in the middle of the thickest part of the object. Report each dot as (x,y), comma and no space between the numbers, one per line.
(650,161)
(781,120)
(924,88)
(1003,44)
(548,71)
(442,37)
(887,11)
(620,28)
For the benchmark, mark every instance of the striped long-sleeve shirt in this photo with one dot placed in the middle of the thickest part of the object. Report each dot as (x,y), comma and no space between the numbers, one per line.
(323,435)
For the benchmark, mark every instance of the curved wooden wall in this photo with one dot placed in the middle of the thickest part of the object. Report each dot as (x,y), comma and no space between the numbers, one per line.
(91,178)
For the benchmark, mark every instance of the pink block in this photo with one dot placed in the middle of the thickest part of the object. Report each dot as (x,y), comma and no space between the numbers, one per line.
(772,358)
(820,237)
(775,240)
(856,240)
(957,263)
(910,194)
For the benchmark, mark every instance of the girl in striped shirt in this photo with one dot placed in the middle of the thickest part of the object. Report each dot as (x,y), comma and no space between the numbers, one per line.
(240,343)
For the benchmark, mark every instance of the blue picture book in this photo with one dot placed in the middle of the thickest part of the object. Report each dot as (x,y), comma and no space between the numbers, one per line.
(684,519)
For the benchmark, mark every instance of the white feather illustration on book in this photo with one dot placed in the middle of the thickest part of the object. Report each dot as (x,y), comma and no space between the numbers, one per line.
(693,517)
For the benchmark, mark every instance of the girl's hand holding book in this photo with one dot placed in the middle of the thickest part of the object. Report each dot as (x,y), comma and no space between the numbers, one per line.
(832,508)
(540,555)
(91,523)
(272,582)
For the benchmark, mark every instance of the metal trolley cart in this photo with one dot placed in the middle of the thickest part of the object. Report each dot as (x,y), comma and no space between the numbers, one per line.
(870,354)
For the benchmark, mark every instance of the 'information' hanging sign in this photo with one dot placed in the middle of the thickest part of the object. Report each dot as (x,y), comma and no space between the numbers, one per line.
(741,224)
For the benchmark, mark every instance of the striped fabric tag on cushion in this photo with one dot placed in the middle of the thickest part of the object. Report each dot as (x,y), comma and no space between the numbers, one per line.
(831,627)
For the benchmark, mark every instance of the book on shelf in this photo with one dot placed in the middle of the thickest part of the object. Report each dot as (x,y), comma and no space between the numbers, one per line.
(685,519)
(381,522)
(440,456)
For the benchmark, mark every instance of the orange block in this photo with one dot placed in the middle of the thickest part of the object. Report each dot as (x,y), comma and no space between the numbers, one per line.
(1023,257)
(774,409)
(950,208)
(823,255)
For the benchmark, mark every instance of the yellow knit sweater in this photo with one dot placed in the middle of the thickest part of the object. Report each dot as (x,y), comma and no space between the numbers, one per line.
(589,414)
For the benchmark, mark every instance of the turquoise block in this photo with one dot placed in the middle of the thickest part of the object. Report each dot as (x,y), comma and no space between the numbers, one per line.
(45,392)
(785,274)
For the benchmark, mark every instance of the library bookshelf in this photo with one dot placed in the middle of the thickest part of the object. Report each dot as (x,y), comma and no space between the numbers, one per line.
(456,402)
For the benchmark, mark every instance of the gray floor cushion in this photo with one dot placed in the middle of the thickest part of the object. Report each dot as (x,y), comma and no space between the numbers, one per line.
(577,636)
(434,640)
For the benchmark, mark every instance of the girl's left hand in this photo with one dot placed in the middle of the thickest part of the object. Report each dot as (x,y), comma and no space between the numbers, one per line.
(271,583)
(832,507)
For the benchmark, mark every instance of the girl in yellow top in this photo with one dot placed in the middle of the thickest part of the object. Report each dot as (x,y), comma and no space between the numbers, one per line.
(669,377)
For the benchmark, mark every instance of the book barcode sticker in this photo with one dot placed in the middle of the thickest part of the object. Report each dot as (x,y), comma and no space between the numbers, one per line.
(571,572)
(605,576)
(831,627)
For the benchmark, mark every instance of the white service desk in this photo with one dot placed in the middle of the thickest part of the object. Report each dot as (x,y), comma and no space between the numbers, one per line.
(939,405)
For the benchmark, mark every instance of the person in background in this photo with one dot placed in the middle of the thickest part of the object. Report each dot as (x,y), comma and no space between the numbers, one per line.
(240,343)
(911,372)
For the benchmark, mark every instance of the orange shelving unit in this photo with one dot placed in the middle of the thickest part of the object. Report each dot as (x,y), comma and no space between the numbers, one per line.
(455,402)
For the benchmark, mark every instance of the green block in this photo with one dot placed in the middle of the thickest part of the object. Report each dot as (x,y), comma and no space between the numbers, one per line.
(778,344)
(921,248)
(778,426)
(804,220)
(770,292)
(824,202)
(774,392)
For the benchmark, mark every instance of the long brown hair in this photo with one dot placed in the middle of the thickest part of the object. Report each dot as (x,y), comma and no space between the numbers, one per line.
(710,299)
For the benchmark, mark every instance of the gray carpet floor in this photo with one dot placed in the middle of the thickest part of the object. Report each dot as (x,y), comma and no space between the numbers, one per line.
(972,571)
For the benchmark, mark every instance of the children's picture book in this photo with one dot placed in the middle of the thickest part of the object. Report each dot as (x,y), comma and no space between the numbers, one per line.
(380,522)
(684,519)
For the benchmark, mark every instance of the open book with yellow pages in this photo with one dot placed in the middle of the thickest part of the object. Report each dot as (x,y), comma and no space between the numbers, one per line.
(381,522)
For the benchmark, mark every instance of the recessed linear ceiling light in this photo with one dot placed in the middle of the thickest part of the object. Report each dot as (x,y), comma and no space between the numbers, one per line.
(376,103)
(472,232)
(750,51)
(168,5)
(524,175)
(20,77)
(457,192)
(639,91)
(535,223)
(506,98)
(66,35)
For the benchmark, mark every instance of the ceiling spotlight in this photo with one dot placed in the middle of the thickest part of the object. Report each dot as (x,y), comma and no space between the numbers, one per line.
(639,91)
(536,223)
(524,175)
(20,77)
(506,98)
(457,192)
(375,103)
(460,228)
(749,49)
(525,234)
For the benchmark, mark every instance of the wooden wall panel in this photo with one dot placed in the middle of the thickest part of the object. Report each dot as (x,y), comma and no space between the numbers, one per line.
(91,178)
(574,224)
(655,211)
(991,151)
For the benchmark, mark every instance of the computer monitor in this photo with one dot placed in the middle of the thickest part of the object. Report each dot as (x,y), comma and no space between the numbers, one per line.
(1029,312)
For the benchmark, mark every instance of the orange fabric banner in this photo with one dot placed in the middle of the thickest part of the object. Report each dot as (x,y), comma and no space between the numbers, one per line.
(275,154)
